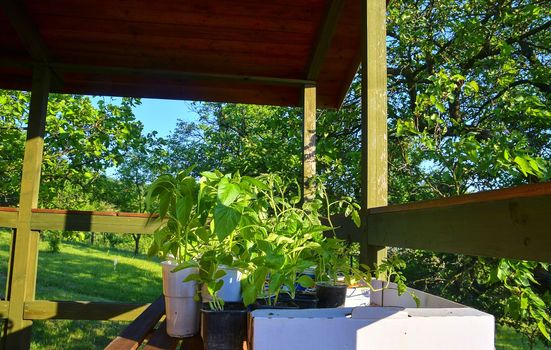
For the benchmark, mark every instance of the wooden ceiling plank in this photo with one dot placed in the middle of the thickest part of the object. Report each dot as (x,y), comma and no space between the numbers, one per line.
(323,42)
(26,30)
(178,74)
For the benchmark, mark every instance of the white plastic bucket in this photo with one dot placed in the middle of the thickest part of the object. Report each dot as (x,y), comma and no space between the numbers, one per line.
(182,311)
(230,291)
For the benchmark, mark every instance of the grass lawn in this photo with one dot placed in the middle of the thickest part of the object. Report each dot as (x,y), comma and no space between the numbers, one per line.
(84,272)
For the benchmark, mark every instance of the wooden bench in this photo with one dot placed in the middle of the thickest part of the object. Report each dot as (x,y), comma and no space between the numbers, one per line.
(142,330)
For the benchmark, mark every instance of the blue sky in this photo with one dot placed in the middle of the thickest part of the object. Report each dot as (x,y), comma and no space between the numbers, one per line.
(161,115)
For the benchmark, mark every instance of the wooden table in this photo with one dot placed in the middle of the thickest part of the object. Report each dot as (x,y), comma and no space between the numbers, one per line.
(147,329)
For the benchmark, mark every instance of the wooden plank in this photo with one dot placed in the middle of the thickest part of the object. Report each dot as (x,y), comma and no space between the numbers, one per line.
(346,229)
(22,279)
(192,343)
(323,41)
(133,335)
(155,73)
(68,25)
(4,308)
(149,11)
(8,218)
(26,30)
(160,340)
(309,142)
(82,310)
(516,228)
(92,222)
(374,167)
(522,191)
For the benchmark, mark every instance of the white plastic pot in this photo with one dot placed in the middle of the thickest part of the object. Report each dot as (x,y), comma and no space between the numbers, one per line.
(182,311)
(230,291)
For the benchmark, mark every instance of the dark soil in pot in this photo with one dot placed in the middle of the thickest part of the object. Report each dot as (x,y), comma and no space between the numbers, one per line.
(331,296)
(282,303)
(304,300)
(226,329)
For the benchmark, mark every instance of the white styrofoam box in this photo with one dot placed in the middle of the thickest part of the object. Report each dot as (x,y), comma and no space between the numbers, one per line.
(358,297)
(438,324)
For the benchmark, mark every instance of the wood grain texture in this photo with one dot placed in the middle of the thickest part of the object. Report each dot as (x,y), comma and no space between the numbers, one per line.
(523,191)
(25,28)
(135,333)
(323,41)
(160,340)
(515,227)
(309,142)
(82,310)
(192,343)
(24,252)
(4,308)
(283,39)
(374,164)
(8,217)
(93,222)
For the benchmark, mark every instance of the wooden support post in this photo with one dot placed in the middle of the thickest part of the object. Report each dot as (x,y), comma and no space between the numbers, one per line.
(309,142)
(374,164)
(22,278)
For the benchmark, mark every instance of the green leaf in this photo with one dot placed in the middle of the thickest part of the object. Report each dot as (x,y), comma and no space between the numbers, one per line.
(543,330)
(305,281)
(523,165)
(226,220)
(227,191)
(356,218)
(523,302)
(219,274)
(440,106)
(164,202)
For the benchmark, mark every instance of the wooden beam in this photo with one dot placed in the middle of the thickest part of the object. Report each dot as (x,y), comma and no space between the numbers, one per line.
(346,229)
(65,220)
(309,142)
(8,217)
(374,172)
(4,308)
(323,42)
(135,333)
(82,310)
(27,31)
(522,191)
(158,73)
(24,258)
(494,224)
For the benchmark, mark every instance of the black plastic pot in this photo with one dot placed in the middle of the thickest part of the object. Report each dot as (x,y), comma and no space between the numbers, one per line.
(331,296)
(303,300)
(282,303)
(226,329)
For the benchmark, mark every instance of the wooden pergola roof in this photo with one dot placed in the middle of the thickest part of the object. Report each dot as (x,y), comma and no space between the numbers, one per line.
(246,51)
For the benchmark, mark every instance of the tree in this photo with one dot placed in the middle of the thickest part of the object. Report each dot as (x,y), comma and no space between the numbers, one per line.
(81,142)
(126,190)
(469,110)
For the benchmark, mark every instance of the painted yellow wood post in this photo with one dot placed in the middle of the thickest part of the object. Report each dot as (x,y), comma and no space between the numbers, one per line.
(309,141)
(374,162)
(22,279)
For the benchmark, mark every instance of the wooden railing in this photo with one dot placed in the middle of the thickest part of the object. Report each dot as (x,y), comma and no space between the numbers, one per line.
(509,223)
(514,223)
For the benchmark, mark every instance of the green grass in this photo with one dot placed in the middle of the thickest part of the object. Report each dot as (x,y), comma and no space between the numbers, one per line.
(83,272)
